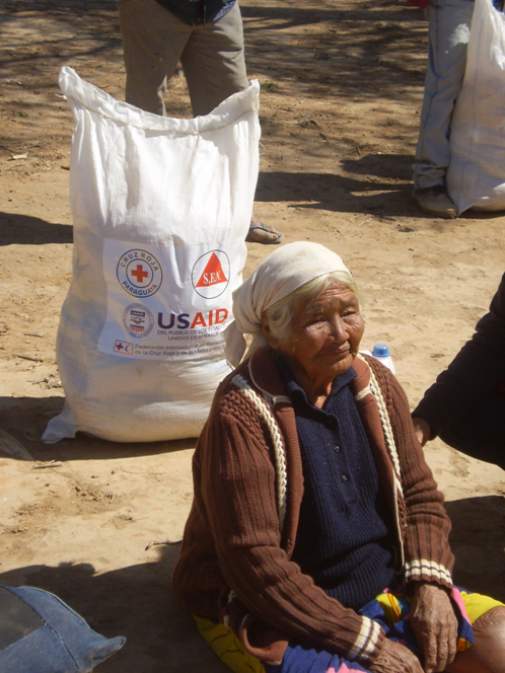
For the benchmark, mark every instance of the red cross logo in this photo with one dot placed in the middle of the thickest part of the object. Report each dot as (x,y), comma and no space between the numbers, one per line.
(122,347)
(139,274)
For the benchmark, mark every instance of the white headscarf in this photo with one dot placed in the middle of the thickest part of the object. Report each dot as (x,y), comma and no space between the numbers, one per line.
(277,276)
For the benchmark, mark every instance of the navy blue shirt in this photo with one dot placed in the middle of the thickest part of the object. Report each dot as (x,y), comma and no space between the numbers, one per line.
(343,540)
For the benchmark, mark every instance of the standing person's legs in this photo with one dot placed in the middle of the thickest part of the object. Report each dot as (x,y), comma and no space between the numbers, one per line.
(153,41)
(214,62)
(214,65)
(449,24)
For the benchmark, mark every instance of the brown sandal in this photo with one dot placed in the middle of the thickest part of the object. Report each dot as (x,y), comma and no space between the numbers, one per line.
(262,233)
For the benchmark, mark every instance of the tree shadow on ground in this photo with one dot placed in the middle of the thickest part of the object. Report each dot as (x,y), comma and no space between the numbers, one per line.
(25,229)
(478,541)
(71,6)
(96,19)
(38,38)
(136,601)
(364,52)
(25,418)
(381,42)
(289,15)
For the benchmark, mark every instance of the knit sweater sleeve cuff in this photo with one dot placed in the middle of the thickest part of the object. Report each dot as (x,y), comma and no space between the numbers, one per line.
(425,570)
(428,554)
(368,642)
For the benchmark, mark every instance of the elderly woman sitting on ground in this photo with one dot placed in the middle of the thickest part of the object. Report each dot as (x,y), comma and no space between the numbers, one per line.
(317,540)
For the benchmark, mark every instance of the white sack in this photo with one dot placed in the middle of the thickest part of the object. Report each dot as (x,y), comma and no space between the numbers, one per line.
(161,208)
(476,174)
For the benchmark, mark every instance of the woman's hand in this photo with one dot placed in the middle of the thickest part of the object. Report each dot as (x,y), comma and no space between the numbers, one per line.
(422,429)
(435,626)
(395,658)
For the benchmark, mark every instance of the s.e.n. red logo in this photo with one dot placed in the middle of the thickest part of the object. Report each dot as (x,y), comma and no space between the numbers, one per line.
(211,274)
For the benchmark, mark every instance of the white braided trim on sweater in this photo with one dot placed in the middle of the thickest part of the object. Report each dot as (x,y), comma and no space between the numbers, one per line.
(399,494)
(277,440)
(374,388)
(366,643)
(424,567)
(385,422)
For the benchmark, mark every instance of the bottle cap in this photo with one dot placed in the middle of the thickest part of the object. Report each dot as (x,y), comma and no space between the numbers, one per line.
(380,350)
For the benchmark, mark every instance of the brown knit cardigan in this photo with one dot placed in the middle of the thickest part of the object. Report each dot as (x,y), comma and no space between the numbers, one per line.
(248,488)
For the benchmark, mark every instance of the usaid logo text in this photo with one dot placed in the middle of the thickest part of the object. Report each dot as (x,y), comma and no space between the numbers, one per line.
(173,320)
(211,274)
(139,273)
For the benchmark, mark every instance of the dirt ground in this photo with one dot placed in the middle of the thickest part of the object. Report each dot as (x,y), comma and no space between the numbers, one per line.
(98,523)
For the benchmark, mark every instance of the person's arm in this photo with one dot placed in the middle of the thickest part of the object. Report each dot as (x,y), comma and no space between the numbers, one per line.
(239,490)
(428,557)
(475,372)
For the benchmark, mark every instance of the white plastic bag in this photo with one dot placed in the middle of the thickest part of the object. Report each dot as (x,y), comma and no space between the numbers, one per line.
(161,208)
(476,174)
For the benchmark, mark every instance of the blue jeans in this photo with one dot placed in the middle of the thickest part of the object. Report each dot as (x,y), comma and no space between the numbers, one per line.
(39,633)
(448,38)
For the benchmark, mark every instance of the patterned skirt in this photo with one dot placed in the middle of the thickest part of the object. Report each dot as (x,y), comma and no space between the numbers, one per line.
(389,609)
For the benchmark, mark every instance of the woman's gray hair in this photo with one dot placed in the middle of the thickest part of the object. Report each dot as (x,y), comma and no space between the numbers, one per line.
(279,315)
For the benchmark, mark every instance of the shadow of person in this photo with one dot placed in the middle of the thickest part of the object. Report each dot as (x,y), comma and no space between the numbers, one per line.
(478,541)
(137,602)
(338,193)
(381,164)
(25,229)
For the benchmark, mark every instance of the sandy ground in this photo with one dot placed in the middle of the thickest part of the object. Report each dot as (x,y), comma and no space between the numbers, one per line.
(98,523)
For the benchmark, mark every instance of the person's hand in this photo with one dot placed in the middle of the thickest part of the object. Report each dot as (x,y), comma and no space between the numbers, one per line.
(422,429)
(394,657)
(435,626)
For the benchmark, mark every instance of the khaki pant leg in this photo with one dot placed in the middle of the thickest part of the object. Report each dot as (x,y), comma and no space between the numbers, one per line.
(214,62)
(153,42)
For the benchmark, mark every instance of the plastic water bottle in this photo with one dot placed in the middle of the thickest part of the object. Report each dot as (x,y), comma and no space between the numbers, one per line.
(381,352)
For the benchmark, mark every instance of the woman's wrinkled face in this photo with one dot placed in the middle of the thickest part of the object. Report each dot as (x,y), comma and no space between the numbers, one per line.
(325,333)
